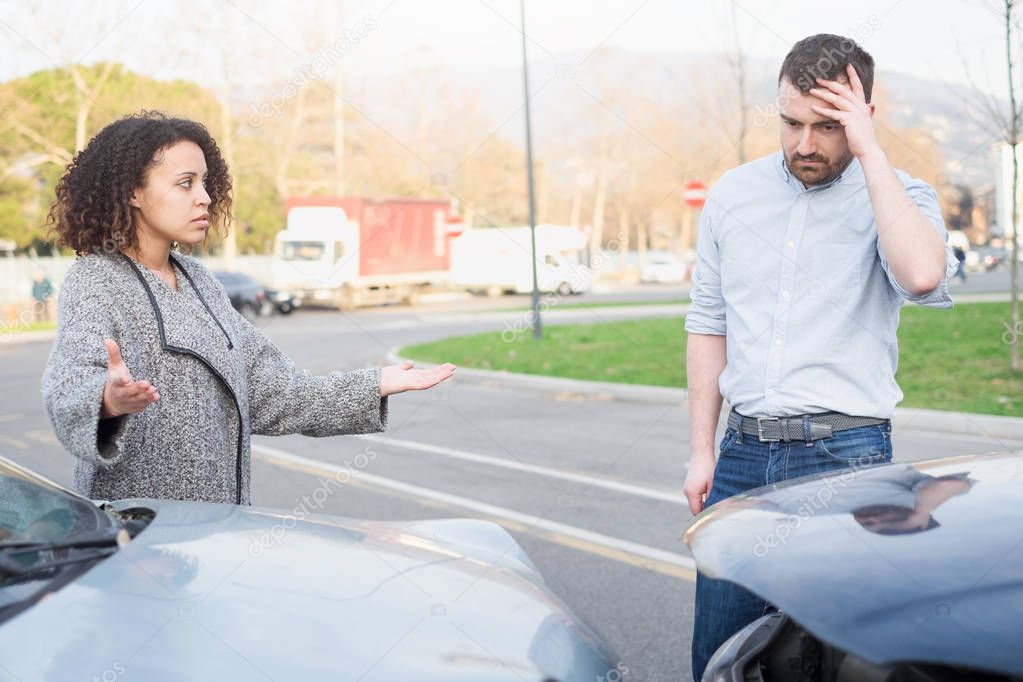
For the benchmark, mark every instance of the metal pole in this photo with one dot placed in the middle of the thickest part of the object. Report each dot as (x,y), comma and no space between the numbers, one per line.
(537,323)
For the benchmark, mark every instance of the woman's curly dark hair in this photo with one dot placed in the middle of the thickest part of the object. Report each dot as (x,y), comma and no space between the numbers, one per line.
(91,213)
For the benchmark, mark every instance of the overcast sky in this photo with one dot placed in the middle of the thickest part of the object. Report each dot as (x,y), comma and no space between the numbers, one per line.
(164,38)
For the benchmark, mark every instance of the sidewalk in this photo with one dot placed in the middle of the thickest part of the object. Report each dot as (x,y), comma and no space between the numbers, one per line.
(27,337)
(983,297)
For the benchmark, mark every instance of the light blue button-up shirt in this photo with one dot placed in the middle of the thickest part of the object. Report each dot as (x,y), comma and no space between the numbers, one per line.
(796,281)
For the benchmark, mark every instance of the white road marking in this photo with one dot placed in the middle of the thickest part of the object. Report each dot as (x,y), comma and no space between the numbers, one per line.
(633,550)
(14,442)
(592,480)
(42,436)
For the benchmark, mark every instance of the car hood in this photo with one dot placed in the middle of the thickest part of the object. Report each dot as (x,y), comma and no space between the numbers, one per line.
(211,591)
(944,587)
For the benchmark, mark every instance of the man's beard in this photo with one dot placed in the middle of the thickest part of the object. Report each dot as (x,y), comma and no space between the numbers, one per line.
(819,173)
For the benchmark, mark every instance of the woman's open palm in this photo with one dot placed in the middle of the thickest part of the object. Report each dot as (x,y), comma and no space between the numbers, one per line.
(401,378)
(122,395)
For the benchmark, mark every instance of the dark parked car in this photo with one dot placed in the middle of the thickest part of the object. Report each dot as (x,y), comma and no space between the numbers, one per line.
(161,590)
(247,295)
(899,572)
(282,301)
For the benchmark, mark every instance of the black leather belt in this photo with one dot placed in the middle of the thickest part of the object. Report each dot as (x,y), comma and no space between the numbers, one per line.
(787,429)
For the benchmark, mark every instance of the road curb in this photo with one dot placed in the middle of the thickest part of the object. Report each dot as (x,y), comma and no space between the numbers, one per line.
(959,423)
(914,418)
(640,393)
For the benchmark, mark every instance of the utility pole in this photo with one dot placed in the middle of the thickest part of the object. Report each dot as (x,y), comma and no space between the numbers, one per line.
(537,323)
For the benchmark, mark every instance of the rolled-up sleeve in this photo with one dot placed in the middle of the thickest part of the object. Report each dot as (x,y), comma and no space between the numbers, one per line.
(706,307)
(926,200)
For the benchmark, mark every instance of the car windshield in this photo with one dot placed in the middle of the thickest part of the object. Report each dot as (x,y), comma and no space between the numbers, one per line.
(34,510)
(302,250)
(46,535)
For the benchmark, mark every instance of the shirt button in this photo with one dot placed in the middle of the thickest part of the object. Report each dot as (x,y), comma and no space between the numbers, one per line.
(777,341)
(792,245)
(785,293)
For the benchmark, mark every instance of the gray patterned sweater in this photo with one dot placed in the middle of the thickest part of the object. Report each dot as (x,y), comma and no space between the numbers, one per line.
(220,380)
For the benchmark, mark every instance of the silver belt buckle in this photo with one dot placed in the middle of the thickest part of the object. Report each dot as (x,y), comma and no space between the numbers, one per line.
(820,431)
(760,429)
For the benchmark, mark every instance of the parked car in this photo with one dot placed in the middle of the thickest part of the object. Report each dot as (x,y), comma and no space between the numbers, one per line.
(982,258)
(169,590)
(247,295)
(283,302)
(898,572)
(664,268)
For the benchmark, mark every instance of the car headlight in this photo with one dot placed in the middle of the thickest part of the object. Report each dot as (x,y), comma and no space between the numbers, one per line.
(730,660)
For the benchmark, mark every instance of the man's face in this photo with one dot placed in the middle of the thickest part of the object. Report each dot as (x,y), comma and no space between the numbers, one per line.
(815,147)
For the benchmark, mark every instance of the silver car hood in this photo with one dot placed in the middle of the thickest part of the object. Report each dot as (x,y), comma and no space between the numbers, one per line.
(220,592)
(948,591)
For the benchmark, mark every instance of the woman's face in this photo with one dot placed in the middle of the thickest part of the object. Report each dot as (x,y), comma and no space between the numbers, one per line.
(172,205)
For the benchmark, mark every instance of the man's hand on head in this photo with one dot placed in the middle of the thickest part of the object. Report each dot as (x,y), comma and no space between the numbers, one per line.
(850,108)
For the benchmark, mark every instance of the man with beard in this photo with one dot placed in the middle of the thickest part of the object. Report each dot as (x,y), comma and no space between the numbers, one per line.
(804,259)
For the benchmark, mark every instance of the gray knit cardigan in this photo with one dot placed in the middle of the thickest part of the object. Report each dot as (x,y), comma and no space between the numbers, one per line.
(220,380)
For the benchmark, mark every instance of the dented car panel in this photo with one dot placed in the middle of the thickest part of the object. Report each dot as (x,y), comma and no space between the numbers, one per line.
(917,562)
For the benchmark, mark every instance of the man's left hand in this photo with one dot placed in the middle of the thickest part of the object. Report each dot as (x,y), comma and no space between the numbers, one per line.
(850,108)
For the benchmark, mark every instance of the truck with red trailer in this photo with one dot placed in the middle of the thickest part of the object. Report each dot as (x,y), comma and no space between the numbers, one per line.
(352,251)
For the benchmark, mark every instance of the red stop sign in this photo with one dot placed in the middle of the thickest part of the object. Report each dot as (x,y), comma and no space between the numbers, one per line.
(694,193)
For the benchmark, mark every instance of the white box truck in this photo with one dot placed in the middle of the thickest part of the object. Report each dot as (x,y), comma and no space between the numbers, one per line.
(496,260)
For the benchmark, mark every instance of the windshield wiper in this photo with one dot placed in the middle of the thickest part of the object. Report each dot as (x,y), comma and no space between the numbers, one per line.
(89,546)
(105,538)
(15,570)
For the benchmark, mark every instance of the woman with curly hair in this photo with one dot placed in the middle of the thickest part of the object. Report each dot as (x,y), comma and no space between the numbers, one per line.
(155,383)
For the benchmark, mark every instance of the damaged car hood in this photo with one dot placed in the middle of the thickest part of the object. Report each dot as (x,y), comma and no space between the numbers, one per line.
(917,562)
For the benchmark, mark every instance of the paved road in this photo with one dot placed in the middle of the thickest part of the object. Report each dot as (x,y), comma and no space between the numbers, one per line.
(589,486)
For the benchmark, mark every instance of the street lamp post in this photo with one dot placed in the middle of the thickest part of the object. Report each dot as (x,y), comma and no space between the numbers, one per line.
(537,323)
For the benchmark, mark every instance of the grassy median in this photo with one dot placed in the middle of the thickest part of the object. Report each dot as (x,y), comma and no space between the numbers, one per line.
(949,359)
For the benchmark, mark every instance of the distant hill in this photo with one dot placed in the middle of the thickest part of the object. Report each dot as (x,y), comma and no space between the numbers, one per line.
(911,101)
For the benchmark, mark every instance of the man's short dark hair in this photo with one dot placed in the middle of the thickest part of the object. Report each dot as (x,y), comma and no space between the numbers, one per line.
(826,55)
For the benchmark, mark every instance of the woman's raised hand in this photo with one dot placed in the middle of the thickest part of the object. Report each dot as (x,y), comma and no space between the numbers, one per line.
(121,395)
(401,378)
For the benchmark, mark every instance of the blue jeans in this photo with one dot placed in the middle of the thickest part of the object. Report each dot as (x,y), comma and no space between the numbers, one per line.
(723,608)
